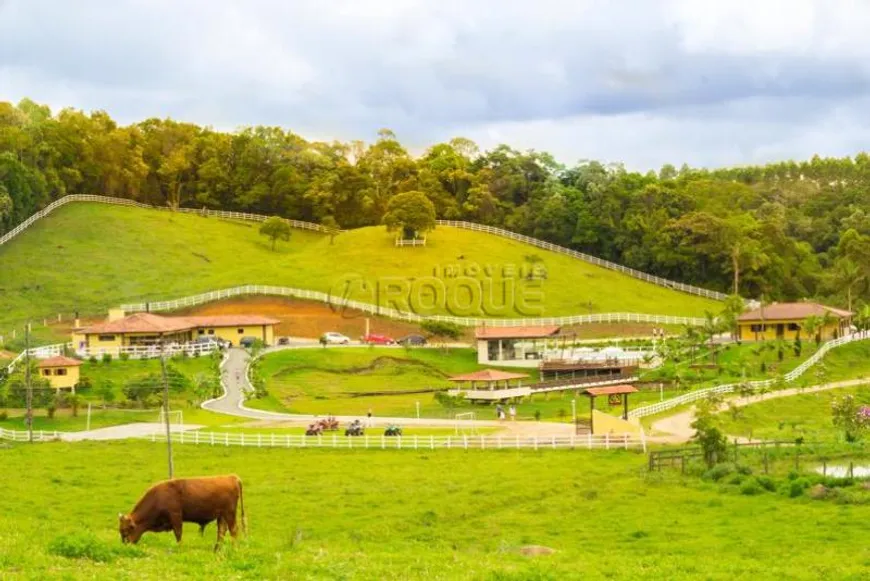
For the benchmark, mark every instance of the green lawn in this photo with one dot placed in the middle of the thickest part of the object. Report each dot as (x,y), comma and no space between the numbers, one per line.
(806,415)
(329,514)
(92,269)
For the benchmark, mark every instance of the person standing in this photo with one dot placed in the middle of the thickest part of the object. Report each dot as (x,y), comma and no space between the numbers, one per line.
(369,415)
(513,413)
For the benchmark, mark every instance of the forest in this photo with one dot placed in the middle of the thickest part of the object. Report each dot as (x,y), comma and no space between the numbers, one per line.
(782,231)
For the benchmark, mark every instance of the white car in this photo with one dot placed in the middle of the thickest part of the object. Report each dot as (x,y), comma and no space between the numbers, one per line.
(333,338)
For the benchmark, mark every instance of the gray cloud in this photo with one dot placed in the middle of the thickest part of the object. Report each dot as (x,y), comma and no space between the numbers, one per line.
(604,79)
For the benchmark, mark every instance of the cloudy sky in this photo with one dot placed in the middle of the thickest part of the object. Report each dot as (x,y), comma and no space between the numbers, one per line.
(646,82)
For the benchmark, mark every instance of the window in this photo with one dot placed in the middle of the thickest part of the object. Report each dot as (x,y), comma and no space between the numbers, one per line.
(241,331)
(201,331)
(106,338)
(794,327)
(46,372)
(211,331)
(757,328)
(60,371)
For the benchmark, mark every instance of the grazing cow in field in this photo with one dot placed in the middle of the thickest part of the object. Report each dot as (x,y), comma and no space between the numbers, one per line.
(168,504)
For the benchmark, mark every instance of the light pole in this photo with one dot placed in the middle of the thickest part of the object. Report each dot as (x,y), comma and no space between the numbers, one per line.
(574,410)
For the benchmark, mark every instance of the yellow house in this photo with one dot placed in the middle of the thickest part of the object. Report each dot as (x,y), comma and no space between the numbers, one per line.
(143,329)
(61,372)
(787,321)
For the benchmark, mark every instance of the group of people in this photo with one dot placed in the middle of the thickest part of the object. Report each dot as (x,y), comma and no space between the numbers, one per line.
(512,411)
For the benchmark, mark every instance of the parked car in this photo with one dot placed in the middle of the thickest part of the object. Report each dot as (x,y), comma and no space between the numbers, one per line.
(333,338)
(247,342)
(412,340)
(372,339)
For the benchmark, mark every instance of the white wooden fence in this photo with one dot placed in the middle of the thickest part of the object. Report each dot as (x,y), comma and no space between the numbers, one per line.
(699,394)
(23,436)
(340,304)
(320,228)
(371,442)
(133,351)
(122,202)
(686,288)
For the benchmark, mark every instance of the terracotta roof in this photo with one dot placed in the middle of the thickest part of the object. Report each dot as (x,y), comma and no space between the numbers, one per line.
(611,390)
(231,320)
(141,323)
(516,332)
(59,361)
(792,311)
(151,323)
(488,375)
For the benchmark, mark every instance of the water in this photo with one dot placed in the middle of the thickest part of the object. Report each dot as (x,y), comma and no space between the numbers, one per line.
(842,470)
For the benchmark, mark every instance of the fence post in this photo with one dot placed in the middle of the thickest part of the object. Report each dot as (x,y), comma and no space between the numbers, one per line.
(482,443)
(334,441)
(212,438)
(383,442)
(625,439)
(415,441)
(226,438)
(243,438)
(448,442)
(607,441)
(554,442)
(589,440)
(432,441)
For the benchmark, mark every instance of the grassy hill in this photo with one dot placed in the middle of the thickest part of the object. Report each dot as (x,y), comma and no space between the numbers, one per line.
(334,514)
(89,257)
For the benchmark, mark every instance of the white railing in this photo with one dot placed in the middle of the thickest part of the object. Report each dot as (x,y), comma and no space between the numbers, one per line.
(149,351)
(23,436)
(43,352)
(412,242)
(134,351)
(686,288)
(374,442)
(122,202)
(693,396)
(341,304)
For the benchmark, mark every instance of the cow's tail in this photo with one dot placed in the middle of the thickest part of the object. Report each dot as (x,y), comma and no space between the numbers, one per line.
(242,502)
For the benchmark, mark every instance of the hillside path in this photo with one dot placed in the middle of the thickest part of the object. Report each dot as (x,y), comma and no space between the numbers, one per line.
(678,427)
(136,430)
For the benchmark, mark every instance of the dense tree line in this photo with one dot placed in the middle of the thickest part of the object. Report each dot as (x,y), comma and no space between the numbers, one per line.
(785,230)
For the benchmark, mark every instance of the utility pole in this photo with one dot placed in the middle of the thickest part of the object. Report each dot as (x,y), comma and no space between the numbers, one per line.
(166,407)
(28,383)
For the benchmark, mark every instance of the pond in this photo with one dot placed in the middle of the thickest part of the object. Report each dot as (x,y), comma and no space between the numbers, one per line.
(842,470)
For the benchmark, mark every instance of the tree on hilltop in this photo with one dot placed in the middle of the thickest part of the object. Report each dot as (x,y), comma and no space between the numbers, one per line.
(412,213)
(275,229)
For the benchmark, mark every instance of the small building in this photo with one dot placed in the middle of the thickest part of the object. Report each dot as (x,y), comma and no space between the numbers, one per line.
(61,372)
(787,320)
(145,329)
(515,346)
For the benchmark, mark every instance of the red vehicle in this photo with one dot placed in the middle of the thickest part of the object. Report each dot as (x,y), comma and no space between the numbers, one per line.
(373,339)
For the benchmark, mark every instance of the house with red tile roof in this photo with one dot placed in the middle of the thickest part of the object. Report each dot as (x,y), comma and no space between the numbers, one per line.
(144,329)
(789,320)
(61,372)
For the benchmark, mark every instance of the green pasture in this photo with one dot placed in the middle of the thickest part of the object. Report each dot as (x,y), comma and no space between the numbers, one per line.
(331,514)
(145,255)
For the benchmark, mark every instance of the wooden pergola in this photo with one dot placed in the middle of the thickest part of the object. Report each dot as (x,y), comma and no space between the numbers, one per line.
(490,377)
(616,394)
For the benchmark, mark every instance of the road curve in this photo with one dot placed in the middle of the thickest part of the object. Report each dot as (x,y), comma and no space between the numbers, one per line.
(234,369)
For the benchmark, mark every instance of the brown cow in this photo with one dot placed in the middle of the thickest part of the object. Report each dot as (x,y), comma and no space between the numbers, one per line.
(170,503)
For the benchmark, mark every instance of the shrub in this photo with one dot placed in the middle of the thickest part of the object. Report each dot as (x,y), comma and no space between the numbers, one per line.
(107,358)
(751,487)
(92,358)
(124,356)
(743,469)
(736,478)
(766,482)
(795,488)
(718,472)
(4,415)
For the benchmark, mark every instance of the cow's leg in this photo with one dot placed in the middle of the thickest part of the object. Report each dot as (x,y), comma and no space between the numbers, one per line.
(221,528)
(176,522)
(231,524)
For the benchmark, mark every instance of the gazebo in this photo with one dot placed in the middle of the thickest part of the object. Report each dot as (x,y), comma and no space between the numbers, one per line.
(616,394)
(490,377)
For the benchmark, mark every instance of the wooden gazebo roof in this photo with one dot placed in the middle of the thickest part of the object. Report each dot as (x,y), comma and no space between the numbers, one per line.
(611,390)
(489,375)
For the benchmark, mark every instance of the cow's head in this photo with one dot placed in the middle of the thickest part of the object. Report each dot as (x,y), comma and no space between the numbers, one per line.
(127,528)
